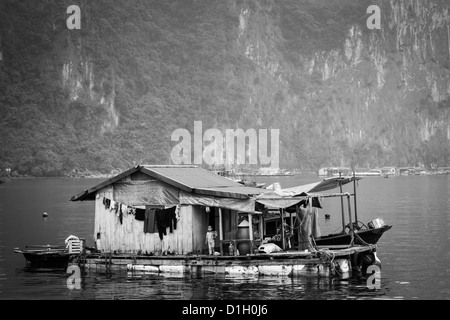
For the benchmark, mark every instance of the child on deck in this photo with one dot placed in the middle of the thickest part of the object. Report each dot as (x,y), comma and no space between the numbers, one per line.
(210,240)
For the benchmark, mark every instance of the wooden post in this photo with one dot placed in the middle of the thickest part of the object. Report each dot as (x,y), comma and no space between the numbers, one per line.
(221,231)
(350,213)
(300,230)
(342,205)
(261,227)
(354,196)
(250,226)
(250,230)
(291,232)
(283,244)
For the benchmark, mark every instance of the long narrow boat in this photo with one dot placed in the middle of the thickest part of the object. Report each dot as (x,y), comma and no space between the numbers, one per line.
(55,256)
(49,255)
(366,236)
(355,232)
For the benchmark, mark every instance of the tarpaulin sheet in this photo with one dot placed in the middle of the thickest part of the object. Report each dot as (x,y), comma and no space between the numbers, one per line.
(274,201)
(324,185)
(241,205)
(141,193)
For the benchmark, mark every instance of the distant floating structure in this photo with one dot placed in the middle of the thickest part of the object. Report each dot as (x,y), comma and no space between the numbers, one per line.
(45,214)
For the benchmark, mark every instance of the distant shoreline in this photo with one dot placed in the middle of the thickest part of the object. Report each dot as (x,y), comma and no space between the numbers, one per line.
(6,179)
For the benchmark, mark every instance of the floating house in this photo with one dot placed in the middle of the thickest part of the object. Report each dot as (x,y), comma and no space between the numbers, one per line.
(156,218)
(131,209)
(334,171)
(389,171)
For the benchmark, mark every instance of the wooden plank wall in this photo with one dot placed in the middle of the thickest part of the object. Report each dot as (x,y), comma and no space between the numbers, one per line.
(230,215)
(199,229)
(130,237)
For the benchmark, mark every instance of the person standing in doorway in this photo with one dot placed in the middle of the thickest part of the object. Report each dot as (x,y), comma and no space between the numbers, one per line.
(210,240)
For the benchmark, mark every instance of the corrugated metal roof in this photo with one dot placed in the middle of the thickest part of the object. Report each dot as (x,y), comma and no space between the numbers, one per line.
(191,177)
(188,178)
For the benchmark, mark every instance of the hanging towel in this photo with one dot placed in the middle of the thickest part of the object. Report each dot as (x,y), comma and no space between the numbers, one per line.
(149,222)
(161,223)
(140,214)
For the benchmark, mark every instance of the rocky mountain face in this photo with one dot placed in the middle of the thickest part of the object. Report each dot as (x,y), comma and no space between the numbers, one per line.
(109,95)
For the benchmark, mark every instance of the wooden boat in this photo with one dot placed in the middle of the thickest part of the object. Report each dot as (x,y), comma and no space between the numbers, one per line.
(362,236)
(49,255)
(354,232)
(55,256)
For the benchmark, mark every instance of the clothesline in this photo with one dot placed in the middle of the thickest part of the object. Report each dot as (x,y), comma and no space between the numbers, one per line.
(155,220)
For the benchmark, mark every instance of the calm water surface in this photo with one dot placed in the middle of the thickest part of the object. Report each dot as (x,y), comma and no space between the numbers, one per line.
(414,253)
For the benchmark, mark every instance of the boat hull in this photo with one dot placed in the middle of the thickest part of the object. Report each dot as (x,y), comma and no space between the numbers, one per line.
(47,259)
(370,236)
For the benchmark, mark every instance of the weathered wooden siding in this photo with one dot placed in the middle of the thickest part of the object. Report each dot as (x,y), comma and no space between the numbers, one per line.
(229,217)
(129,237)
(200,227)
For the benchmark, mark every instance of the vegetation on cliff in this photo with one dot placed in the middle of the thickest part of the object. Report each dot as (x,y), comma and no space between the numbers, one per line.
(161,65)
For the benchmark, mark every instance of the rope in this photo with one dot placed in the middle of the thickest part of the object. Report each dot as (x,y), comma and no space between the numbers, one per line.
(326,257)
(372,246)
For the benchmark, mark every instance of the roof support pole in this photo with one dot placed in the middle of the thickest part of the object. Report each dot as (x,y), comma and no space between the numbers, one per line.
(354,196)
(342,204)
(221,231)
(250,230)
(291,232)
(349,213)
(283,241)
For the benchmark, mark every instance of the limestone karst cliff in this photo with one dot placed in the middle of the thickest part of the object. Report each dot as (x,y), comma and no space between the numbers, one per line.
(110,95)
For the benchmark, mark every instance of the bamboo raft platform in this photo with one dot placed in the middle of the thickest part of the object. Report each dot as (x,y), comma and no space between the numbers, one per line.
(290,263)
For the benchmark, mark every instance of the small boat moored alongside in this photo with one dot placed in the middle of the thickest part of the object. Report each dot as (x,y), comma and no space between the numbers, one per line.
(54,256)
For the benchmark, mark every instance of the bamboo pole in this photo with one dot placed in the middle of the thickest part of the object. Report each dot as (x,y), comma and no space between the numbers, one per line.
(221,231)
(349,213)
(354,196)
(283,244)
(291,232)
(261,228)
(250,230)
(342,204)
